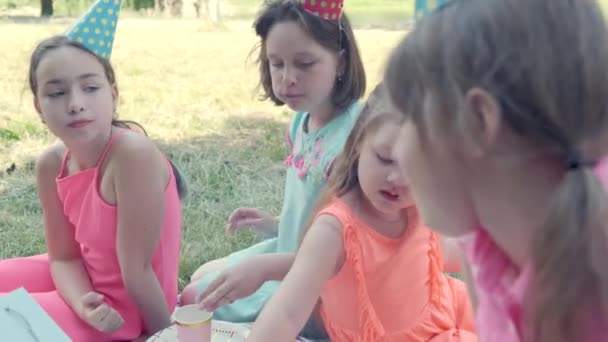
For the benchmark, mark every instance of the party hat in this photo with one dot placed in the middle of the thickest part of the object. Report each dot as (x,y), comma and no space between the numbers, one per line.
(424,7)
(326,9)
(95,29)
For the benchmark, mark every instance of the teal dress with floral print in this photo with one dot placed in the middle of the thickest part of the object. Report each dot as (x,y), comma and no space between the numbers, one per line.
(308,164)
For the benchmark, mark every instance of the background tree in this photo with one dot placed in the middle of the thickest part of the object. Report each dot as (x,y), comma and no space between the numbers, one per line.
(46,8)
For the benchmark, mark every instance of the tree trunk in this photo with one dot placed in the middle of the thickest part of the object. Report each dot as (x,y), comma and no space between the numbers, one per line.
(191,8)
(160,7)
(204,8)
(176,8)
(197,8)
(214,11)
(46,8)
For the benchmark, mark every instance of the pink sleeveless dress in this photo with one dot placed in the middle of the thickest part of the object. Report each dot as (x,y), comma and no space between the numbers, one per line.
(95,223)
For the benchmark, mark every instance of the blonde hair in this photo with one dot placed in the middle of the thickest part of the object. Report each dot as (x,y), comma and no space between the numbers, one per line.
(543,61)
(344,173)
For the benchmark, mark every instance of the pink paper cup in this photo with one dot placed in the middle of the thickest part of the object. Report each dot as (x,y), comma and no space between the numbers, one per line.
(193,324)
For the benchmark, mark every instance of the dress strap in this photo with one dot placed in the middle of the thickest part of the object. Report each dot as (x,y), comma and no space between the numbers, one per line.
(106,149)
(64,164)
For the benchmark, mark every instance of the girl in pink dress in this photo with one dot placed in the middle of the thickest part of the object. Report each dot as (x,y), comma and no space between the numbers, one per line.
(504,147)
(111,207)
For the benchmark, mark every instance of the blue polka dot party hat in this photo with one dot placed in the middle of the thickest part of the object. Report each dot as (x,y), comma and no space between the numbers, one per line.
(95,29)
(424,7)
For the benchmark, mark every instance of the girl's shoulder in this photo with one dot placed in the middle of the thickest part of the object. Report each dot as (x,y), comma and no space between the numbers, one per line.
(133,152)
(346,119)
(339,210)
(48,164)
(133,146)
(329,221)
(337,131)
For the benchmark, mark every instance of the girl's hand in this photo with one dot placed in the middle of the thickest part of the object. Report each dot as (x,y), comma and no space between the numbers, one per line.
(100,315)
(233,283)
(257,220)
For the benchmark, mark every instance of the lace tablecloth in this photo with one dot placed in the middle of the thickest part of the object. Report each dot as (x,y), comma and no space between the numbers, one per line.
(221,332)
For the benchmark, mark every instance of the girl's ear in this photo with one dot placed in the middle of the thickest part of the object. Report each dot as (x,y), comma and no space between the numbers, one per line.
(486,118)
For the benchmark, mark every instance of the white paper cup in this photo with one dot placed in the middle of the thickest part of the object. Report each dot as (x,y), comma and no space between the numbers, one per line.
(193,324)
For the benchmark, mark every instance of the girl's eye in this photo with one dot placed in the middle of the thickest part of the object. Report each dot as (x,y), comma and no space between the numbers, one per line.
(55,94)
(384,160)
(305,65)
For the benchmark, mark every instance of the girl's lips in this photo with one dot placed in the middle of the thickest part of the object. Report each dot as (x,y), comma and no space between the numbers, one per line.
(389,195)
(79,123)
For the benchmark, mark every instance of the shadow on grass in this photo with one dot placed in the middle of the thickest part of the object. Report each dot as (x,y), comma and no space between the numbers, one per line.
(241,166)
(34,19)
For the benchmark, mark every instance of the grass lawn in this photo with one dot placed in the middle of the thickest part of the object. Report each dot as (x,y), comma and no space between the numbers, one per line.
(192,87)
(193,90)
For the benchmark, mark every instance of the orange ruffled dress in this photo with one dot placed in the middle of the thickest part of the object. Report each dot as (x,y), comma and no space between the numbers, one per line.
(393,289)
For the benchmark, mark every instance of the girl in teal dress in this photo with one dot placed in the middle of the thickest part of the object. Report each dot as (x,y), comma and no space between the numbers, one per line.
(311,64)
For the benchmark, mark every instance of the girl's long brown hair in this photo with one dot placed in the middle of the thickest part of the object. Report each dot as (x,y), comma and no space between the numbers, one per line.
(343,175)
(544,62)
(336,36)
(56,42)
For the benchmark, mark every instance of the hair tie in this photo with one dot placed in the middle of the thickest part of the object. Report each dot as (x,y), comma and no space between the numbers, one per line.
(576,161)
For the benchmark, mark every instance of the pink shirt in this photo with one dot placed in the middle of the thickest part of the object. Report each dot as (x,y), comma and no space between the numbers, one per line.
(500,287)
(95,222)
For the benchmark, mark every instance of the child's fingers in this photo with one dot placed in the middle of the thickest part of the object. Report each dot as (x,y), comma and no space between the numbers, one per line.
(115,321)
(101,312)
(246,223)
(228,298)
(248,212)
(210,303)
(236,215)
(106,322)
(243,218)
(231,219)
(98,315)
(92,299)
(109,320)
(217,282)
(230,227)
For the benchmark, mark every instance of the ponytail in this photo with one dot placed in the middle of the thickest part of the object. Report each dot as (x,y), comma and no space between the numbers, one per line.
(569,254)
(180,181)
(129,124)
